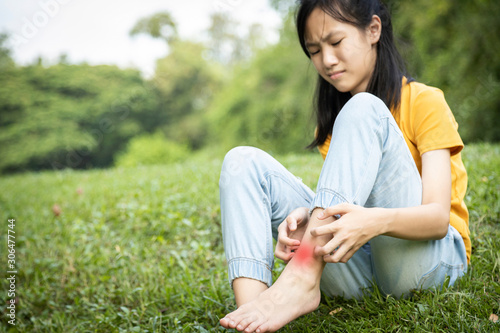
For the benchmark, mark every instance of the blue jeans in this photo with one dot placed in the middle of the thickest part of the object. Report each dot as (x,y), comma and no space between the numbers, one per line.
(368,164)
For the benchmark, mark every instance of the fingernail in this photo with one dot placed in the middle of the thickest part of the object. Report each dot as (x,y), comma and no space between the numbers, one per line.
(320,215)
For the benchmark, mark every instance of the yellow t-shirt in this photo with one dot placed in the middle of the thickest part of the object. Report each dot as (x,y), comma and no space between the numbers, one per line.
(428,124)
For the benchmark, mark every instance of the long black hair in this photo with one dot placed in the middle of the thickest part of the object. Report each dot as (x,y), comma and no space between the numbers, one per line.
(386,80)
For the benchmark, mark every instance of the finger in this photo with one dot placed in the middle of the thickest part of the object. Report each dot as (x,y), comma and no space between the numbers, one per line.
(330,228)
(287,241)
(292,223)
(283,225)
(329,259)
(342,254)
(283,251)
(328,248)
(283,255)
(339,209)
(339,256)
(348,256)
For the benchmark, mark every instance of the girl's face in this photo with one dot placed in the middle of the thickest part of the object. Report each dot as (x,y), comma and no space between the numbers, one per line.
(343,54)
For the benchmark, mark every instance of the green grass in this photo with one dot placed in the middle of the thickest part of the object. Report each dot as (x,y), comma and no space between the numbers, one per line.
(140,250)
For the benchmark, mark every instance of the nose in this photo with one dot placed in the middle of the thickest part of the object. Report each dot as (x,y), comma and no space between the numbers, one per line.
(329,59)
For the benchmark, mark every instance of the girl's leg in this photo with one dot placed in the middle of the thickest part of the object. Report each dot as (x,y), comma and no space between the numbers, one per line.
(369,164)
(349,174)
(257,193)
(403,266)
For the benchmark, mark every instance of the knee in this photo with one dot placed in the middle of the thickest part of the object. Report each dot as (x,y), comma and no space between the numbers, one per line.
(239,157)
(361,108)
(237,163)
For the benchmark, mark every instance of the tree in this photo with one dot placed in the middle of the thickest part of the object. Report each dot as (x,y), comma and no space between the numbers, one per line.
(73,116)
(185,79)
(160,25)
(5,58)
(268,102)
(186,83)
(454,45)
(226,46)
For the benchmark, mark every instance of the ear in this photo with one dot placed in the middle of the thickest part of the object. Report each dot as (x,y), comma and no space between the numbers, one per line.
(374,29)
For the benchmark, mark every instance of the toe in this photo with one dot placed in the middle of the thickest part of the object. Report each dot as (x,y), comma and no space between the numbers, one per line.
(242,325)
(251,328)
(262,328)
(227,322)
(224,322)
(255,322)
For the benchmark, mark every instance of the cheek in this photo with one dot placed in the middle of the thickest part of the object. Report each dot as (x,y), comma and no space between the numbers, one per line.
(362,54)
(347,53)
(317,63)
(318,66)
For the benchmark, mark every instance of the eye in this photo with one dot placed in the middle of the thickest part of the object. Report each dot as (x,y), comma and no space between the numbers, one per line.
(313,52)
(337,43)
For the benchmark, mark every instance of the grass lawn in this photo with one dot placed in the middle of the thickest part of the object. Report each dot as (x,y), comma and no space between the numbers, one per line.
(140,250)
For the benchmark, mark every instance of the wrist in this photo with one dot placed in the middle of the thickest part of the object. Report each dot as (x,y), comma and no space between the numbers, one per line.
(385,218)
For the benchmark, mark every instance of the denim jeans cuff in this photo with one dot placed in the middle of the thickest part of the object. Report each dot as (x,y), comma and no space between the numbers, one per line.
(326,198)
(249,268)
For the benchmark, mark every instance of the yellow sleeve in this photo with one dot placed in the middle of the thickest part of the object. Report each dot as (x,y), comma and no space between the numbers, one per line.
(434,124)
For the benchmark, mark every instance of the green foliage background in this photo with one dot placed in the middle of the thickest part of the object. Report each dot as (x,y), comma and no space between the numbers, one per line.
(71,115)
(150,150)
(268,101)
(454,45)
(81,116)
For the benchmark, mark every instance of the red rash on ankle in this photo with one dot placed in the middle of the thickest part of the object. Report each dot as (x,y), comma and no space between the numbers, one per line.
(304,253)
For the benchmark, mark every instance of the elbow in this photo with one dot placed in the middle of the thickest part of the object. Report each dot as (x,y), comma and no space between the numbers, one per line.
(442,233)
(442,225)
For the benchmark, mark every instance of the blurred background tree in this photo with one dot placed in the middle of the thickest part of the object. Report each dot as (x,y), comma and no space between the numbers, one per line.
(6,61)
(454,45)
(160,25)
(71,115)
(267,103)
(231,88)
(186,82)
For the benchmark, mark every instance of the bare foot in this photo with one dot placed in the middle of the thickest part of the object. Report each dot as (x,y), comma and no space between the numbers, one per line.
(295,293)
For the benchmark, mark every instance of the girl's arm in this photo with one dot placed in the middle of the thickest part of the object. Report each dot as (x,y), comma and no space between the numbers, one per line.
(425,222)
(431,219)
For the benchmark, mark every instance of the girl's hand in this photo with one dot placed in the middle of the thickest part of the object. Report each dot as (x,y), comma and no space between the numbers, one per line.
(290,233)
(356,226)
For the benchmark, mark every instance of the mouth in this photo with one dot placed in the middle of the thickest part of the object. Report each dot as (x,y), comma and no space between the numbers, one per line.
(335,75)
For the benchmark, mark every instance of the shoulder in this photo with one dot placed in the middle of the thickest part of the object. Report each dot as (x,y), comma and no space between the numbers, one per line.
(420,101)
(421,93)
(430,118)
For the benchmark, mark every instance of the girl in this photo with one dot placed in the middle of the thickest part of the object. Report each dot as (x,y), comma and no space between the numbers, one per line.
(389,204)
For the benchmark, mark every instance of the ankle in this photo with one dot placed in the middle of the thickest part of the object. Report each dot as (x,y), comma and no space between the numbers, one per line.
(246,290)
(306,274)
